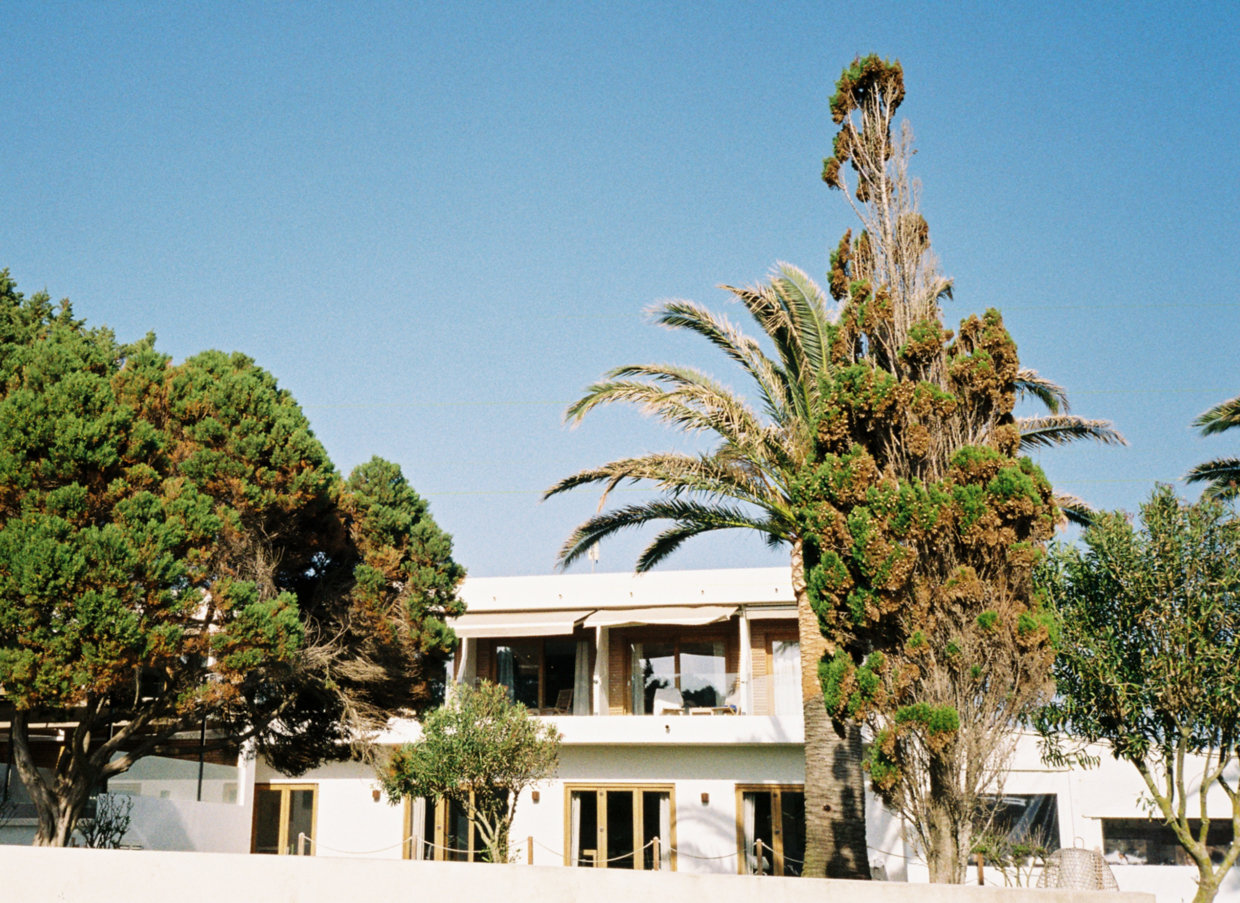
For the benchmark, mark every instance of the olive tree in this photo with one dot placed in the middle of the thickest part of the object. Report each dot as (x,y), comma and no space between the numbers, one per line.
(1148,659)
(481,750)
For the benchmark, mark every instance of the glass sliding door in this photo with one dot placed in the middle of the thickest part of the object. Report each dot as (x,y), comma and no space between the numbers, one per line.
(770,830)
(457,837)
(583,829)
(282,815)
(551,676)
(656,819)
(420,828)
(559,675)
(440,830)
(679,675)
(517,665)
(703,674)
(792,832)
(655,689)
(626,827)
(620,834)
(267,824)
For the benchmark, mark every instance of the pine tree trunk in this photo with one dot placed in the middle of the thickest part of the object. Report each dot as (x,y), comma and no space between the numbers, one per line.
(835,844)
(57,806)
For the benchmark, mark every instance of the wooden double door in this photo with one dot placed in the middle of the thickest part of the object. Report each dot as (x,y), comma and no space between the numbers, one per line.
(284,819)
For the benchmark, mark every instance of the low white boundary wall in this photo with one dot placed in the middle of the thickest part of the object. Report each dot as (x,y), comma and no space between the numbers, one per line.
(107,876)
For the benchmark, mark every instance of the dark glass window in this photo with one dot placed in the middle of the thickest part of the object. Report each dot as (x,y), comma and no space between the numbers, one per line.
(1146,841)
(544,675)
(1028,819)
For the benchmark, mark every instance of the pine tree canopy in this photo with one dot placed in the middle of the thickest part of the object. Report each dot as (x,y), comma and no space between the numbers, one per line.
(176,547)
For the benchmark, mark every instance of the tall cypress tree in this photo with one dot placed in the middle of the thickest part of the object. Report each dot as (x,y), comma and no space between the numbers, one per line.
(923,521)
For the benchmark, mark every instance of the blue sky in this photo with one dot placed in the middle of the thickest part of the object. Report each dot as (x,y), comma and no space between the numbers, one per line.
(437,223)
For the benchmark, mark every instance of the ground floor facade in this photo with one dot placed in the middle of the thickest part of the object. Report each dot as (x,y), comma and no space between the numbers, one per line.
(678,699)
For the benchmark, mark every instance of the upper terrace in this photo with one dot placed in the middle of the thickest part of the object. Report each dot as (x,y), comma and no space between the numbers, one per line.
(715,643)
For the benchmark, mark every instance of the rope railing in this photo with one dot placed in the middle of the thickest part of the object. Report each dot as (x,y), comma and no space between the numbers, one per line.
(304,840)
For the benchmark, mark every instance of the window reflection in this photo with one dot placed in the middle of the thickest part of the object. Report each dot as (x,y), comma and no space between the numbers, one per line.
(670,677)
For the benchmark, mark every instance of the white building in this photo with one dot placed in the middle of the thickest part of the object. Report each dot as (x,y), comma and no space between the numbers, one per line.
(678,697)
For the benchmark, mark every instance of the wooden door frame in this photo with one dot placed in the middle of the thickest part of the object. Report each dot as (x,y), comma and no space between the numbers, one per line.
(601,789)
(777,830)
(285,797)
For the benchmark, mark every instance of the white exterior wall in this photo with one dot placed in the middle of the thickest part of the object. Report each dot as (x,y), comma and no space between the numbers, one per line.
(704,755)
(701,830)
(113,876)
(349,822)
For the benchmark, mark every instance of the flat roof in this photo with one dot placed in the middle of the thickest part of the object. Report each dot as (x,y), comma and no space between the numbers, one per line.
(725,586)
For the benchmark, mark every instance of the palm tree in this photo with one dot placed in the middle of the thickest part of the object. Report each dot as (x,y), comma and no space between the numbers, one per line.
(746,482)
(749,479)
(1222,475)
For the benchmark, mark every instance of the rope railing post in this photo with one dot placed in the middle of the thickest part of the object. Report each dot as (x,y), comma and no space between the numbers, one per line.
(529,856)
(301,843)
(658,861)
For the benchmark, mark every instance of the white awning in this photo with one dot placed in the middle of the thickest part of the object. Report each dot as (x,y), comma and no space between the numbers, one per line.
(764,614)
(527,623)
(688,617)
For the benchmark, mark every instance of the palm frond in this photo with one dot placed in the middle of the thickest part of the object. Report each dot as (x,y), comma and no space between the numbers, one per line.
(684,512)
(1052,395)
(1221,417)
(772,381)
(672,538)
(766,307)
(677,473)
(792,311)
(1221,475)
(691,406)
(807,308)
(696,403)
(1074,510)
(1044,432)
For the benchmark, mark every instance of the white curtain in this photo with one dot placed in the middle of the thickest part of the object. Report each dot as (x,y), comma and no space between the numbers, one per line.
(417,832)
(665,832)
(582,679)
(748,807)
(574,829)
(639,682)
(786,666)
(719,675)
(505,669)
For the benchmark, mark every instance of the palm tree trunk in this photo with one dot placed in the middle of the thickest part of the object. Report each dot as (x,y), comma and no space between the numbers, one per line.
(835,844)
